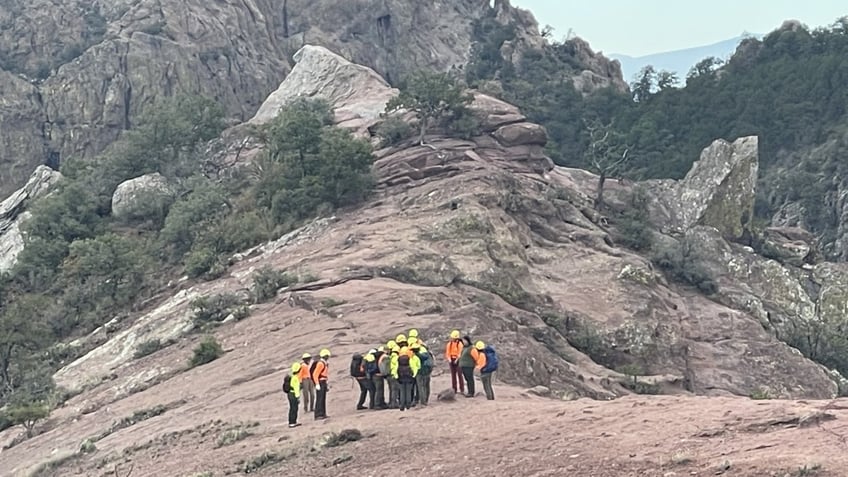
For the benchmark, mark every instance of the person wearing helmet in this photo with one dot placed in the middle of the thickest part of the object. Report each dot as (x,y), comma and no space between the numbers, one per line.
(320,375)
(413,333)
(423,377)
(366,384)
(404,372)
(378,378)
(291,386)
(394,386)
(307,386)
(467,363)
(453,351)
(401,340)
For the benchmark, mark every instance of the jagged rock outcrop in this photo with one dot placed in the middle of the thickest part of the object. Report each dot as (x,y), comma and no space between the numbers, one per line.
(135,194)
(718,191)
(790,245)
(358,94)
(12,213)
(600,72)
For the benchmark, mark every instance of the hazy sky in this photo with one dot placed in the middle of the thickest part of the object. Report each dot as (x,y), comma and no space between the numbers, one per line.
(643,27)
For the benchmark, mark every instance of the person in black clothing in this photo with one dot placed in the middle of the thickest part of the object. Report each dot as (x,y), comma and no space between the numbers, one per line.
(466,364)
(405,378)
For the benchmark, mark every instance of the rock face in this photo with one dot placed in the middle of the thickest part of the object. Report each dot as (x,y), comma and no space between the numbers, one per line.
(358,94)
(140,192)
(718,191)
(12,213)
(790,245)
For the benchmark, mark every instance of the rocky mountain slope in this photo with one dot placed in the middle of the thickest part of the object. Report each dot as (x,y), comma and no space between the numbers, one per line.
(75,74)
(488,236)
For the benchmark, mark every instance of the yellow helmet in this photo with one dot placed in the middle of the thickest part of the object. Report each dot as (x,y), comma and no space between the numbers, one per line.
(369,358)
(391,344)
(413,333)
(415,346)
(396,349)
(404,349)
(400,338)
(325,353)
(422,349)
(480,345)
(412,340)
(306,356)
(295,368)
(454,335)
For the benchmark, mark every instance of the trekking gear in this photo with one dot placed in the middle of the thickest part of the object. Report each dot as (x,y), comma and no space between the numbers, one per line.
(413,333)
(411,341)
(306,356)
(312,368)
(491,360)
(287,384)
(454,335)
(415,346)
(426,362)
(400,338)
(325,353)
(295,368)
(357,369)
(479,345)
(404,370)
(391,344)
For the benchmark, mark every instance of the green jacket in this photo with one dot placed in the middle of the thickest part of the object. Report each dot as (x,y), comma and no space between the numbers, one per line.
(295,386)
(465,359)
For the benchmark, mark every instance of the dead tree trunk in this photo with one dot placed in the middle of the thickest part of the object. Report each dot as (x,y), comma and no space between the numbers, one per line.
(599,193)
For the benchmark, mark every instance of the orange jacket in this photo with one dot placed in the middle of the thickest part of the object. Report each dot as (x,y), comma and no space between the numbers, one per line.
(479,358)
(453,350)
(303,375)
(321,372)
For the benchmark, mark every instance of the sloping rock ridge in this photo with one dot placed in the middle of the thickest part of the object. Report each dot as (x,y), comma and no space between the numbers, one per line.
(75,74)
(13,213)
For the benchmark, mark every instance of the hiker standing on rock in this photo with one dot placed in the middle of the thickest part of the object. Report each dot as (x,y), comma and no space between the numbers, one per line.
(453,351)
(489,360)
(405,375)
(467,363)
(291,386)
(423,376)
(320,375)
(308,386)
(378,378)
(394,386)
(358,371)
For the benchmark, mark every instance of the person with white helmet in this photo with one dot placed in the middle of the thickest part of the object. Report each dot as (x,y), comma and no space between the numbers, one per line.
(307,386)
(320,376)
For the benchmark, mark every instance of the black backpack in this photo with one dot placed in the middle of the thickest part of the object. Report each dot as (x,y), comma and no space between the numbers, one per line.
(287,384)
(356,368)
(312,368)
(404,370)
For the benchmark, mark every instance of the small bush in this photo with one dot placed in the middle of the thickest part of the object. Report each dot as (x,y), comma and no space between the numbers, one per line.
(343,437)
(235,434)
(215,309)
(207,351)
(393,131)
(679,263)
(267,458)
(200,261)
(331,302)
(266,282)
(147,348)
(760,394)
(87,447)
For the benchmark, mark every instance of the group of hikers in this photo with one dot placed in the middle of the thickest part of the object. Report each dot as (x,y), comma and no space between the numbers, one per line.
(404,364)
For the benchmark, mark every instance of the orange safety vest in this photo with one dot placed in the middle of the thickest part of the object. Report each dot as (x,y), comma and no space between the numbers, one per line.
(303,374)
(321,372)
(453,349)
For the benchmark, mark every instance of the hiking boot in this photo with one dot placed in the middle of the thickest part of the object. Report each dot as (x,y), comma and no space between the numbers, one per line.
(361,408)
(296,424)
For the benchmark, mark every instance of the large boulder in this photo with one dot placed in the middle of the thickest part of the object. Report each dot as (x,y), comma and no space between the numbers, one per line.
(12,213)
(357,93)
(135,196)
(790,245)
(718,191)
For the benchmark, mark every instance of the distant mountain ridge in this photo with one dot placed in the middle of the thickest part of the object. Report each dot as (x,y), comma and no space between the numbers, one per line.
(679,61)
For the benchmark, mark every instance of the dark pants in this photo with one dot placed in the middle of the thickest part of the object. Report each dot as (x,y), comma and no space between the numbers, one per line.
(406,394)
(293,404)
(423,389)
(415,399)
(321,401)
(365,389)
(379,391)
(307,395)
(468,373)
(394,393)
(456,378)
(486,379)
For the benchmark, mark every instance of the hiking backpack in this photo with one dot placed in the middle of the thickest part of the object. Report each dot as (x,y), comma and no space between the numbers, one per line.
(356,368)
(312,368)
(491,360)
(404,369)
(287,384)
(426,363)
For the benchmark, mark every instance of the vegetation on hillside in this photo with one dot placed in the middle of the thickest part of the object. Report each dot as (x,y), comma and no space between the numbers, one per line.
(787,89)
(82,267)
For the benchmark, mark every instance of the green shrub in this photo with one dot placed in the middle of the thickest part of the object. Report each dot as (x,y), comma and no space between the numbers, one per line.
(207,351)
(393,131)
(216,308)
(680,264)
(200,261)
(266,282)
(147,348)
